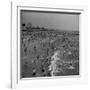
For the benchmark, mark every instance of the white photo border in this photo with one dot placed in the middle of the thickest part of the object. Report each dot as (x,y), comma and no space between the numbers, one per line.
(15,41)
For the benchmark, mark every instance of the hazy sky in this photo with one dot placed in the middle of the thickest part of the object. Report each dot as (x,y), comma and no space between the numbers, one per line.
(62,21)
